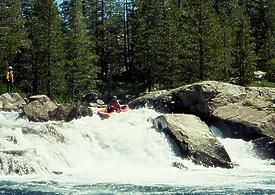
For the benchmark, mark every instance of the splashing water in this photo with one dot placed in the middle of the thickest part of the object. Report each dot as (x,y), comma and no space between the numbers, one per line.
(123,154)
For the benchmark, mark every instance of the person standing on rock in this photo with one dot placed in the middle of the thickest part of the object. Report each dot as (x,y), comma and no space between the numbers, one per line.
(9,77)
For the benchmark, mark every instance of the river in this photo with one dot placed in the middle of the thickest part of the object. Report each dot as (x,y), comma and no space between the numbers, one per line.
(121,155)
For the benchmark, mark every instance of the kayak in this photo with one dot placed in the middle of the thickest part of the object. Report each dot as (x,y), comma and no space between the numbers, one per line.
(104,114)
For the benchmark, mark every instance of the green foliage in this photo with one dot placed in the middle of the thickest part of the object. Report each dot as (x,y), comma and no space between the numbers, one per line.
(132,46)
(263,83)
(244,51)
(47,49)
(81,68)
(12,33)
(15,89)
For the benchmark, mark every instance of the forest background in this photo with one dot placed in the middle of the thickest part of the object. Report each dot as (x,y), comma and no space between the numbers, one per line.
(74,47)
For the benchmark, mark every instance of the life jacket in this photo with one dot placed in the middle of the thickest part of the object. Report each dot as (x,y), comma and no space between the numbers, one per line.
(115,104)
(9,75)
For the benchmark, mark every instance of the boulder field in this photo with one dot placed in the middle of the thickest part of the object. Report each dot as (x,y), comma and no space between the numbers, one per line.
(40,108)
(246,113)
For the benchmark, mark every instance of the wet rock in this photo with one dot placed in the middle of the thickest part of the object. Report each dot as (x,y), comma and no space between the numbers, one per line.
(243,122)
(179,165)
(159,100)
(264,147)
(38,111)
(11,139)
(57,172)
(41,109)
(69,112)
(60,113)
(194,140)
(78,112)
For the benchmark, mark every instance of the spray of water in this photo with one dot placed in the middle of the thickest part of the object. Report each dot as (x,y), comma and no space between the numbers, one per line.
(122,149)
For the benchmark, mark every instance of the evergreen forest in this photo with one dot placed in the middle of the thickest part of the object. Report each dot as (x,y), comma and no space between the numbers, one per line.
(68,49)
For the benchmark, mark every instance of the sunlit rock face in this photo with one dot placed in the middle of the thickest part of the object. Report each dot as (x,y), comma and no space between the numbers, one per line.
(38,111)
(11,101)
(41,109)
(246,113)
(194,139)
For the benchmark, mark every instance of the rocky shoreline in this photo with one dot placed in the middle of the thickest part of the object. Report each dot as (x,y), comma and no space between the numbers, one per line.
(187,113)
(40,108)
(239,112)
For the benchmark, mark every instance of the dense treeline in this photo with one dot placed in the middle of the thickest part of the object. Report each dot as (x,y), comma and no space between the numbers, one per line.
(130,46)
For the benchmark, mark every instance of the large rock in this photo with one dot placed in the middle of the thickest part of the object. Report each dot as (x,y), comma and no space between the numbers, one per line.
(41,109)
(10,102)
(70,112)
(264,147)
(246,122)
(246,113)
(78,112)
(160,100)
(38,111)
(60,113)
(194,139)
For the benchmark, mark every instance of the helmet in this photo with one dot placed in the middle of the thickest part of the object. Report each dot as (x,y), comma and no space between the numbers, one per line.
(114,97)
(10,67)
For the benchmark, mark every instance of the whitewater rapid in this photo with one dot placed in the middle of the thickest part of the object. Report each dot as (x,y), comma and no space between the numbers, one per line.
(124,144)
(124,149)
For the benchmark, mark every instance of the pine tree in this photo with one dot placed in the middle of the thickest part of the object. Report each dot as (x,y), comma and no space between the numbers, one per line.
(260,13)
(245,56)
(81,67)
(12,34)
(150,36)
(268,48)
(173,35)
(204,40)
(25,58)
(47,51)
(271,72)
(92,15)
(178,26)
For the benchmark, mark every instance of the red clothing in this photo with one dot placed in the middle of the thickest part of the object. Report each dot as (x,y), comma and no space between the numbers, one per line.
(113,105)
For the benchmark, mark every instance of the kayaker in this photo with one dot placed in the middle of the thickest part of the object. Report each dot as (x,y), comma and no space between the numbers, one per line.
(114,105)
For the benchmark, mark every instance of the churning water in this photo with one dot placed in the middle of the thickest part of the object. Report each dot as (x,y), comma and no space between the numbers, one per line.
(121,155)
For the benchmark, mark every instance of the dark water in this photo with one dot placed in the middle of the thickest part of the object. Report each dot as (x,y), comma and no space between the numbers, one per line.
(50,187)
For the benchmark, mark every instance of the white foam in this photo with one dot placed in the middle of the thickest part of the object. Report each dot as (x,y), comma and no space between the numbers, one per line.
(122,149)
